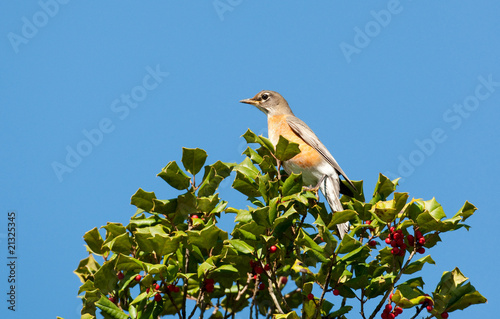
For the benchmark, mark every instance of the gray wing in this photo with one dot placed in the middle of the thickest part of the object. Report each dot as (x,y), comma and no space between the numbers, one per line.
(303,131)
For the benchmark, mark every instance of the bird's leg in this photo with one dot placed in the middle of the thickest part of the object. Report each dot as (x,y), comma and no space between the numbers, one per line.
(315,188)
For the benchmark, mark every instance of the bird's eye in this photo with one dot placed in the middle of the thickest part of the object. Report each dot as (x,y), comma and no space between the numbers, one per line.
(265,97)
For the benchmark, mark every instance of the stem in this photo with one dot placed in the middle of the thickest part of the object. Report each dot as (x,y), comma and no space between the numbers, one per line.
(419,310)
(325,288)
(273,296)
(381,303)
(175,306)
(362,312)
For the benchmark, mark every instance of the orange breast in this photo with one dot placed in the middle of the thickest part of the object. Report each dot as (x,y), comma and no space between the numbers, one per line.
(308,156)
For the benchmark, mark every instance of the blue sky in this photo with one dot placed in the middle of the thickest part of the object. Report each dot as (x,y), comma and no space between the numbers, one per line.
(406,88)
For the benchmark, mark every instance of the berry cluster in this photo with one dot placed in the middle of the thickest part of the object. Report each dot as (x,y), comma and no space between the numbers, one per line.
(396,240)
(155,286)
(420,241)
(391,312)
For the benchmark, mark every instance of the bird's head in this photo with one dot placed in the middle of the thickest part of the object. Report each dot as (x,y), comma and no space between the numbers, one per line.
(269,102)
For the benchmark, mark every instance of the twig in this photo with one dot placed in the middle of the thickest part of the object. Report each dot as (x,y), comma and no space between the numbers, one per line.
(419,310)
(273,296)
(327,281)
(175,306)
(381,303)
(200,295)
(362,312)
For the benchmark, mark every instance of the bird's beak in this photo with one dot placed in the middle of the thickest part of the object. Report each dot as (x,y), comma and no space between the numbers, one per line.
(249,101)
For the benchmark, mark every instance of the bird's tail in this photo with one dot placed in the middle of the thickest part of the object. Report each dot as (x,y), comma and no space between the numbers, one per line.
(330,187)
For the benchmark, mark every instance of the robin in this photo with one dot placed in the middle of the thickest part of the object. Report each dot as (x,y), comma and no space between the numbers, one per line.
(318,167)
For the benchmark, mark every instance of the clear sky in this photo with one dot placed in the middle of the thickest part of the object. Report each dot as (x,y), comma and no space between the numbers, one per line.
(95,98)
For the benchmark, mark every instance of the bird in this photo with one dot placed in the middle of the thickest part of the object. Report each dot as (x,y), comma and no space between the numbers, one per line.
(318,167)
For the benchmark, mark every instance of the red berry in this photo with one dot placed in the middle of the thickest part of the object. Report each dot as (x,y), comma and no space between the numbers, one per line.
(429,308)
(112,299)
(336,292)
(259,270)
(395,251)
(273,249)
(391,295)
(398,310)
(368,222)
(310,296)
(388,307)
(147,290)
(262,286)
(176,289)
(391,316)
(255,277)
(402,252)
(418,234)
(410,239)
(194,217)
(384,315)
(392,229)
(421,241)
(397,236)
(156,286)
(444,315)
(393,243)
(284,280)
(400,242)
(421,250)
(157,297)
(267,267)
(209,281)
(252,263)
(209,288)
(403,246)
(372,243)
(138,278)
(171,287)
(388,240)
(120,275)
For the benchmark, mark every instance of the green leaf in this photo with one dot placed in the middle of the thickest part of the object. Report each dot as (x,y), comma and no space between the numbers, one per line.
(246,185)
(94,241)
(290,315)
(261,216)
(385,210)
(285,149)
(341,311)
(210,183)
(207,204)
(341,217)
(206,238)
(348,244)
(143,200)
(105,277)
(251,137)
(418,264)
(186,204)
(241,246)
(193,159)
(383,188)
(292,185)
(165,207)
(174,176)
(120,244)
(110,308)
(127,263)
